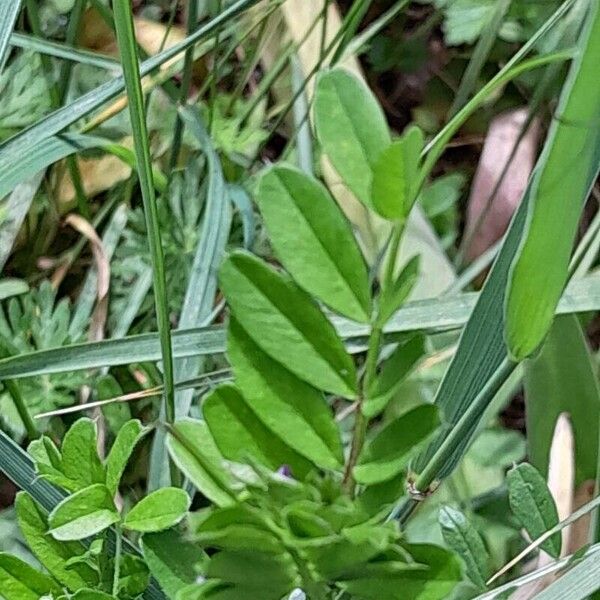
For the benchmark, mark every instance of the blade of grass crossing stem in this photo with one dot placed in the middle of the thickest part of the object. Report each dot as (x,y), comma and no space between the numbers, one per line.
(561,184)
(129,59)
(9,11)
(23,142)
(202,286)
(17,465)
(482,349)
(425,315)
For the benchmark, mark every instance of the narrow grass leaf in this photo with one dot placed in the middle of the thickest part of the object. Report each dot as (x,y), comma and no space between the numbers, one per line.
(129,58)
(286,323)
(240,435)
(83,514)
(314,241)
(20,581)
(464,539)
(568,168)
(54,149)
(424,315)
(64,51)
(9,11)
(390,451)
(579,582)
(292,409)
(532,503)
(559,381)
(158,511)
(352,129)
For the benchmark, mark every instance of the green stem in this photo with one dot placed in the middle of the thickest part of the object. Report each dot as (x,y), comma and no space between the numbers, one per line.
(375,339)
(131,72)
(456,436)
(117,569)
(25,416)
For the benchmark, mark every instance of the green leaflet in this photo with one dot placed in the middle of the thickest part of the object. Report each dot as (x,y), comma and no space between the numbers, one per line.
(314,241)
(171,559)
(20,581)
(286,323)
(531,502)
(401,289)
(560,186)
(275,575)
(390,451)
(557,381)
(240,435)
(465,540)
(80,461)
(352,129)
(52,554)
(127,439)
(83,514)
(288,406)
(395,176)
(159,510)
(394,371)
(433,577)
(193,450)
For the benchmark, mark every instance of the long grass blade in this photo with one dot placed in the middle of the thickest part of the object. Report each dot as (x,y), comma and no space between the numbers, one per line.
(130,62)
(425,315)
(9,11)
(55,148)
(561,185)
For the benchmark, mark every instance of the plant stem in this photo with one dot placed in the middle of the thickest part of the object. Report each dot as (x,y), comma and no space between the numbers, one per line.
(456,436)
(117,568)
(19,402)
(131,72)
(375,339)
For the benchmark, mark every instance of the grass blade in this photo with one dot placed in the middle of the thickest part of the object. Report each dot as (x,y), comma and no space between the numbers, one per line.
(435,315)
(77,55)
(130,62)
(568,168)
(9,11)
(55,148)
